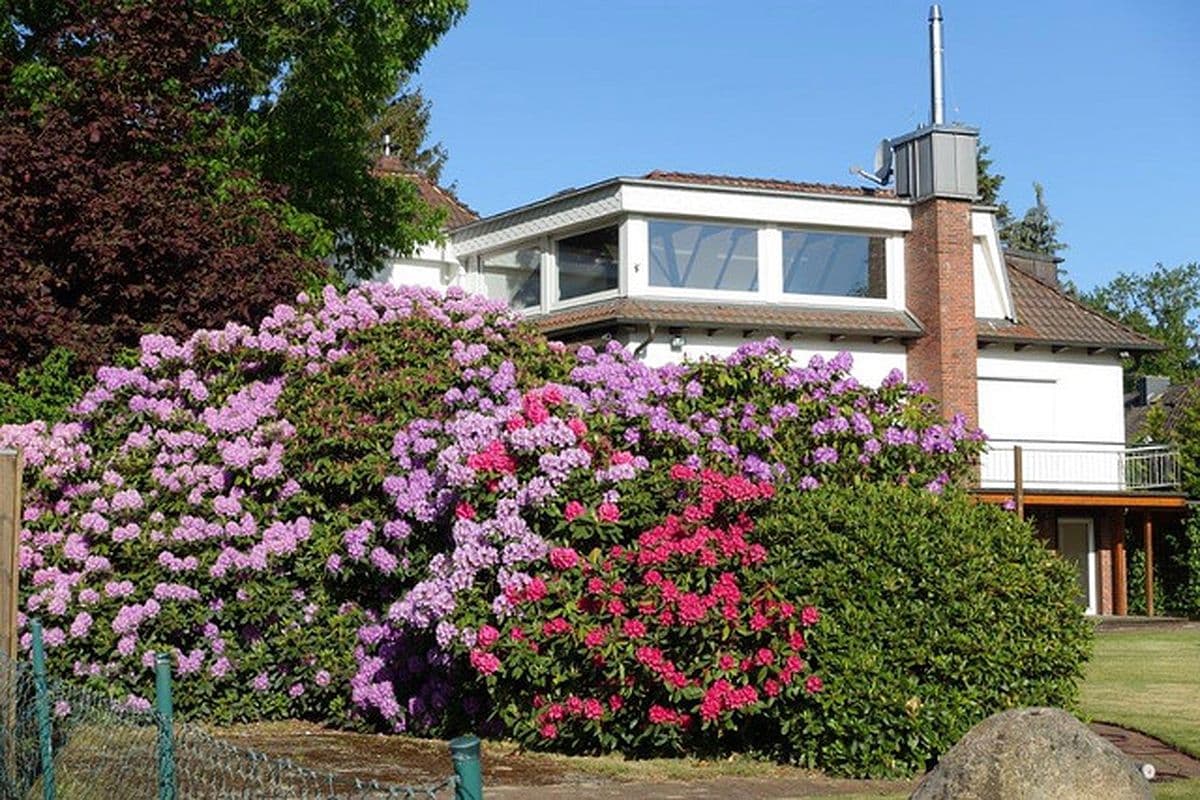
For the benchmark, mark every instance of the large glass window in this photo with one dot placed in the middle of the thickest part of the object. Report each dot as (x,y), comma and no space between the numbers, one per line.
(694,256)
(840,264)
(587,263)
(514,276)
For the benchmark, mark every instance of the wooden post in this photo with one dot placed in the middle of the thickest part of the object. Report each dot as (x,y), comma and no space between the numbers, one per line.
(11,466)
(1148,539)
(11,469)
(1120,585)
(1019,480)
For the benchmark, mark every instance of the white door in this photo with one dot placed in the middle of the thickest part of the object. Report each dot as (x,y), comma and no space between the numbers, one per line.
(1077,544)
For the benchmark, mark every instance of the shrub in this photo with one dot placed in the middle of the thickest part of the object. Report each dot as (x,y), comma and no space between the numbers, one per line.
(937,613)
(672,644)
(44,392)
(319,515)
(516,459)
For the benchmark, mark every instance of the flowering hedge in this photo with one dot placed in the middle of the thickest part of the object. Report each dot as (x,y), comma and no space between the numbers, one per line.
(667,644)
(321,516)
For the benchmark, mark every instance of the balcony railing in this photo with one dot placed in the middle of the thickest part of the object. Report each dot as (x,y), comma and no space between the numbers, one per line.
(1081,466)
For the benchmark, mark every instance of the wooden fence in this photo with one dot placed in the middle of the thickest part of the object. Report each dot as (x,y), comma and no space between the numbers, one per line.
(11,467)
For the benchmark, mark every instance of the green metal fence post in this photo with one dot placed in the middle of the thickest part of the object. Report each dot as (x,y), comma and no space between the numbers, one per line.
(464,752)
(166,731)
(42,709)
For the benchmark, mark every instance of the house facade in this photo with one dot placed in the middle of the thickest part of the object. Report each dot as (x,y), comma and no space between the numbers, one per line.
(683,266)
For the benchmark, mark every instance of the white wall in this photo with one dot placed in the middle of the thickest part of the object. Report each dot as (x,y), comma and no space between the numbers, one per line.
(1066,410)
(872,362)
(432,265)
(993,298)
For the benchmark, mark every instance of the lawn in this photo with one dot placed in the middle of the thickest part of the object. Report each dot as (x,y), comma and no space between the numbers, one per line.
(1148,681)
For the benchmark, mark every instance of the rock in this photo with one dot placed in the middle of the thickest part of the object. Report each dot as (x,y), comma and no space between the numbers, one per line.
(1033,754)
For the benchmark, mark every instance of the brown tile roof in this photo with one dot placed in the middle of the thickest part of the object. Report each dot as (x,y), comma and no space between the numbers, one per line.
(458,213)
(1175,400)
(1047,316)
(749,316)
(769,184)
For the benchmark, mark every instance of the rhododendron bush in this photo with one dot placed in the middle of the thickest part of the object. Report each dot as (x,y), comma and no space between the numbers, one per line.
(410,511)
(673,641)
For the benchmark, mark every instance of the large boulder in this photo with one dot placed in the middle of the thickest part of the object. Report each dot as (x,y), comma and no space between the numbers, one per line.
(1033,754)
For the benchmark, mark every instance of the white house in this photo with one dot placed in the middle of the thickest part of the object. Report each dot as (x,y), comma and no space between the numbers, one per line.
(680,265)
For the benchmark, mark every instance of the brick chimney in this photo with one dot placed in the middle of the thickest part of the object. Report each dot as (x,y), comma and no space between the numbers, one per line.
(940,290)
(936,171)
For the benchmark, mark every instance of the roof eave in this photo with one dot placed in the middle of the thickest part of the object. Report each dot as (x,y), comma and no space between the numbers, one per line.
(621,316)
(1077,344)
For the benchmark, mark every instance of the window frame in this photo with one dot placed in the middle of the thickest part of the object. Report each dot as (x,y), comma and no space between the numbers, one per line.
(701,292)
(814,297)
(554,289)
(541,244)
(636,263)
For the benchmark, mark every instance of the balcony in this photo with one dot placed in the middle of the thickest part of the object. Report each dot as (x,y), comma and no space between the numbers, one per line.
(1080,466)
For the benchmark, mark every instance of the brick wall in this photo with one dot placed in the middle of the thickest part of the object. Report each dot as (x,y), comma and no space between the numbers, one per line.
(940,291)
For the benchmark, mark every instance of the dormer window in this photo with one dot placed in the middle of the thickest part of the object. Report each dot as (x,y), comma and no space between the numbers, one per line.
(691,255)
(834,264)
(514,276)
(629,238)
(588,263)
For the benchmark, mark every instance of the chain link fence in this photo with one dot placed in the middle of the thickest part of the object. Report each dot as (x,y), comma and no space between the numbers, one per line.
(62,741)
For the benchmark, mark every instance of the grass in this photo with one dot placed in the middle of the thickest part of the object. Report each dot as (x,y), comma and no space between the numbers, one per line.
(1145,680)
(1148,681)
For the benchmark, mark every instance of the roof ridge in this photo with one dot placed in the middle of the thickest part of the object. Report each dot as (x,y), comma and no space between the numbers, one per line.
(747,181)
(1082,306)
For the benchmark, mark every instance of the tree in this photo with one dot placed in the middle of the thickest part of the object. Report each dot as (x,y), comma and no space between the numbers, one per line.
(1037,231)
(989,185)
(305,84)
(404,126)
(1164,304)
(122,206)
(319,74)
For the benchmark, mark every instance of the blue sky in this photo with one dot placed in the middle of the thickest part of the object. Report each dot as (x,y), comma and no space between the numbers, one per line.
(1100,101)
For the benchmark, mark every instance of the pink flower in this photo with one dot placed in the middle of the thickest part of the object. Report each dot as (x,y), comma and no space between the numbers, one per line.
(682,472)
(484,662)
(810,616)
(464,510)
(549,730)
(593,708)
(595,637)
(555,626)
(535,590)
(563,558)
(487,636)
(813,684)
(608,512)
(573,511)
(578,427)
(691,609)
(633,628)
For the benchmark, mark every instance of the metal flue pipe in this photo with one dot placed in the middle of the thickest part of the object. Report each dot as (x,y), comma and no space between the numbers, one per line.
(937,112)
